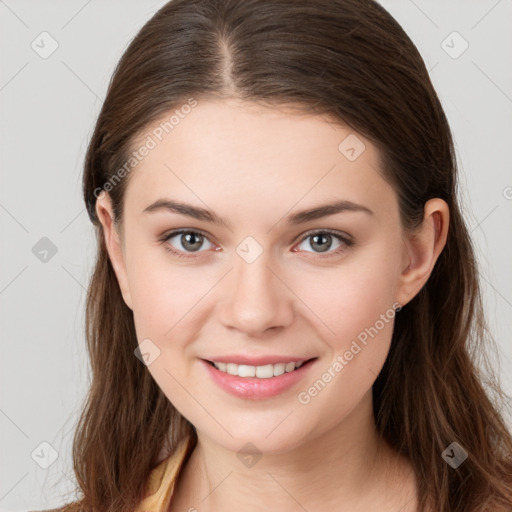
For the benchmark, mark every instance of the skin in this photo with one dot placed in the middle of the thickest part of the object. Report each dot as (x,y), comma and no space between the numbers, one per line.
(253,167)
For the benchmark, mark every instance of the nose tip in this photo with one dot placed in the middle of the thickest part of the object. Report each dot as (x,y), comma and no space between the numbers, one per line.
(256,300)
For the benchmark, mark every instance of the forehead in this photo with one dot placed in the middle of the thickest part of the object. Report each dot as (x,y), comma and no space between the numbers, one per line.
(245,153)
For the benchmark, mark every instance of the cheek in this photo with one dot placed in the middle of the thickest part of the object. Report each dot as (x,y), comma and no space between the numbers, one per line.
(161,292)
(357,305)
(354,306)
(167,299)
(351,298)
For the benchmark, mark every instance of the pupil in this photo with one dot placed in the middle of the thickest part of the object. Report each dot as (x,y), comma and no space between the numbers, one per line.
(187,240)
(324,238)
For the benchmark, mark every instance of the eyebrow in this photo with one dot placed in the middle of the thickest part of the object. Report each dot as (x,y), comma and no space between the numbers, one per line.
(301,217)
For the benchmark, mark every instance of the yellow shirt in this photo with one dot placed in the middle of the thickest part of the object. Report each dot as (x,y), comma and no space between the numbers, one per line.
(162,479)
(160,482)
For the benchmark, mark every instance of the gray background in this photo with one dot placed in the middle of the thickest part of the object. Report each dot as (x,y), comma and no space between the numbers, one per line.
(48,108)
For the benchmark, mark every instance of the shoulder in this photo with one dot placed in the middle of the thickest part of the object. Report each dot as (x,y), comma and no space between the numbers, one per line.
(160,482)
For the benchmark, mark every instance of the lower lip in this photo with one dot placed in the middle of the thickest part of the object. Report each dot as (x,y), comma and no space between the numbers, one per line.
(253,387)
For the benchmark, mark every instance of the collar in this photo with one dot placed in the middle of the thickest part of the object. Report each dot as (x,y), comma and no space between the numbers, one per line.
(163,478)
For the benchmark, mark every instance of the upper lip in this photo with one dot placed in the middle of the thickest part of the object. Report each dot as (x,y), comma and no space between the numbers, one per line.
(258,361)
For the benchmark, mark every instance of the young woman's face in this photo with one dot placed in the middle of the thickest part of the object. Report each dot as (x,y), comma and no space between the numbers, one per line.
(264,284)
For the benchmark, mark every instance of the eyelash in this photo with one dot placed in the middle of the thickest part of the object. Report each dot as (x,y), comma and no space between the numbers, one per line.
(347,241)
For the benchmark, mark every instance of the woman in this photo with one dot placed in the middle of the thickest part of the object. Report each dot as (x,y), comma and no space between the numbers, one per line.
(285,311)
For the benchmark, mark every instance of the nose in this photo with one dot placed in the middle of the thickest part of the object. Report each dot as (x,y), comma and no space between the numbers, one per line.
(255,298)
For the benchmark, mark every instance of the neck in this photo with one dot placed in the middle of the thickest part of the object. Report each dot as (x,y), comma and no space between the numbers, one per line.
(349,464)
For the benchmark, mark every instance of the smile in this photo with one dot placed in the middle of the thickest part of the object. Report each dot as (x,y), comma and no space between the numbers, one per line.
(261,372)
(257,382)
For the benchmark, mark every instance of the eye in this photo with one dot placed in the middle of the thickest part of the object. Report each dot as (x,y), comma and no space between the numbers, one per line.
(187,241)
(322,242)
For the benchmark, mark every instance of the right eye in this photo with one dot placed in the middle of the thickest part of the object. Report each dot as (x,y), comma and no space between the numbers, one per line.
(186,242)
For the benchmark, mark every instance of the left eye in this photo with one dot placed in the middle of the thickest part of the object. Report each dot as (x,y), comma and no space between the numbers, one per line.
(322,241)
(190,241)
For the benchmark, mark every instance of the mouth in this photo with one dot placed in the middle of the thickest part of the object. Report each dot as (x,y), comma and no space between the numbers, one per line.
(266,371)
(257,382)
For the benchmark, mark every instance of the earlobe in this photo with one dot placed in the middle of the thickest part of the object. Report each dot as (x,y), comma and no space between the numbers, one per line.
(423,248)
(104,212)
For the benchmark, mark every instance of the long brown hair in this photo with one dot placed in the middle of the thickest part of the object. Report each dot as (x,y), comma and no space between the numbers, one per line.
(351,60)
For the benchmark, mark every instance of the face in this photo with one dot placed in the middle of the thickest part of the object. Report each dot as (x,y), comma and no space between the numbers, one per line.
(254,283)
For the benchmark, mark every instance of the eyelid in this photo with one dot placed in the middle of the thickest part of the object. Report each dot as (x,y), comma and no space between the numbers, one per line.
(338,234)
(179,231)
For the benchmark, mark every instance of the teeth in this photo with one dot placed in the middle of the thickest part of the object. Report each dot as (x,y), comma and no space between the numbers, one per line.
(262,372)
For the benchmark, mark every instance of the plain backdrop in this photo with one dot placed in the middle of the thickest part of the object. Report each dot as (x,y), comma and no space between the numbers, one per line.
(49,104)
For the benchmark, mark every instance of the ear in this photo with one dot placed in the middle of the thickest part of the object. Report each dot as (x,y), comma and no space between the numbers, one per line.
(422,248)
(104,212)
